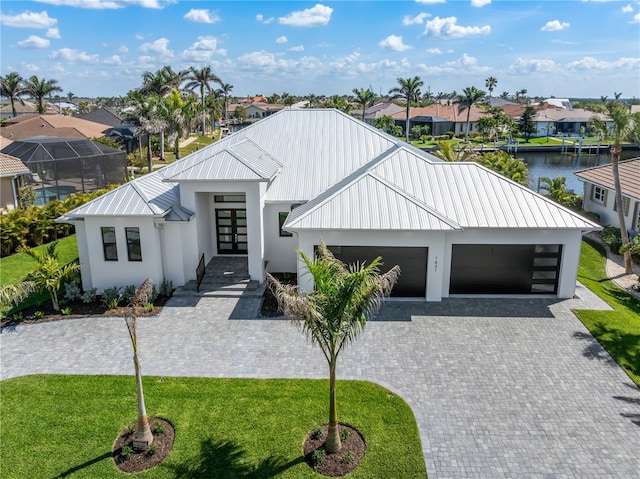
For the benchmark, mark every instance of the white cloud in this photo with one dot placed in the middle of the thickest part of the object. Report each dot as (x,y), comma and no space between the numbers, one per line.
(34,41)
(448,28)
(627,8)
(434,51)
(201,16)
(316,16)
(28,19)
(299,48)
(465,65)
(394,42)
(109,4)
(203,50)
(417,20)
(260,18)
(54,33)
(590,63)
(480,3)
(532,65)
(158,46)
(113,60)
(281,39)
(430,2)
(636,18)
(554,26)
(70,55)
(123,49)
(139,37)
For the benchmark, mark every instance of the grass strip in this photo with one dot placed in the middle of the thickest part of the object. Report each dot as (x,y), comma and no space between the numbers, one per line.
(619,330)
(65,426)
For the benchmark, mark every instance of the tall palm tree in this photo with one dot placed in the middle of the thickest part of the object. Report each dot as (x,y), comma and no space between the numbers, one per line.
(201,79)
(335,312)
(471,96)
(143,437)
(409,90)
(490,83)
(38,89)
(624,125)
(12,87)
(226,89)
(339,103)
(145,115)
(365,98)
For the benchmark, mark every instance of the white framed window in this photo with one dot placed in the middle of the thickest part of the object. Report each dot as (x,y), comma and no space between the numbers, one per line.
(599,195)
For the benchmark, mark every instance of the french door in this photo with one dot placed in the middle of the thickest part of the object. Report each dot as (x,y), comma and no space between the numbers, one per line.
(231,231)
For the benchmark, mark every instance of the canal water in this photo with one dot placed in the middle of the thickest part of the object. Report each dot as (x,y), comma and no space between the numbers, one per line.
(553,164)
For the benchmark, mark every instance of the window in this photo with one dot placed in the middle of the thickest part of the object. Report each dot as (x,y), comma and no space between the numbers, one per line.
(230,198)
(282,217)
(133,244)
(599,195)
(625,205)
(109,243)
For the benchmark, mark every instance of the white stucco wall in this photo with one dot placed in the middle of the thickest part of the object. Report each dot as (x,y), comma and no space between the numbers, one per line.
(279,251)
(608,216)
(103,274)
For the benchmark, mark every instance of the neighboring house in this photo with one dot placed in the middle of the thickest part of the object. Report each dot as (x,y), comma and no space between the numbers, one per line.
(104,115)
(13,175)
(599,193)
(379,110)
(300,177)
(26,108)
(564,103)
(28,126)
(259,110)
(441,118)
(553,120)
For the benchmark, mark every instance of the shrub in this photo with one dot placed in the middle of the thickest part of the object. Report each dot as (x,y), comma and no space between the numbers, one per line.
(317,457)
(345,433)
(346,459)
(89,296)
(166,288)
(126,451)
(611,237)
(590,215)
(158,428)
(111,297)
(317,433)
(72,291)
(38,314)
(450,134)
(66,311)
(128,293)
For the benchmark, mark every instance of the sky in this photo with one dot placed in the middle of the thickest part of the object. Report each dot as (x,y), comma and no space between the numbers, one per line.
(578,48)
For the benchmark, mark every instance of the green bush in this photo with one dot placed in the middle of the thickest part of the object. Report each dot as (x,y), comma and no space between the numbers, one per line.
(111,297)
(611,237)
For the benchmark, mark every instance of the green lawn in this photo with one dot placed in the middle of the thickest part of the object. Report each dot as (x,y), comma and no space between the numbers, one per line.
(65,426)
(619,330)
(14,268)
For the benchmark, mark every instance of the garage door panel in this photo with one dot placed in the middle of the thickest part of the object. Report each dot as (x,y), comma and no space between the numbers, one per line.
(412,282)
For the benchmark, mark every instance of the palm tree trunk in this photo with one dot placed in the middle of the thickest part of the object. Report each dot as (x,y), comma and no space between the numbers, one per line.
(13,107)
(615,159)
(162,145)
(407,125)
(149,156)
(466,133)
(333,443)
(144,436)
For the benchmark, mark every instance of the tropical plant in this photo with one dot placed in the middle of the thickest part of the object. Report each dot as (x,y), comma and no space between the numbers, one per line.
(490,83)
(364,98)
(16,293)
(409,90)
(38,89)
(471,96)
(339,103)
(526,124)
(12,86)
(49,274)
(385,123)
(143,437)
(335,312)
(447,152)
(556,189)
(201,79)
(501,162)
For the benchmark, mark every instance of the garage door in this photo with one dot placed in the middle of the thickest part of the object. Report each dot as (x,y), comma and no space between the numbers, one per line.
(505,269)
(412,261)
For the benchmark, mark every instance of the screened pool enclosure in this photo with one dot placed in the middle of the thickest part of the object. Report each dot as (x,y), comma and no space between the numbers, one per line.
(63,166)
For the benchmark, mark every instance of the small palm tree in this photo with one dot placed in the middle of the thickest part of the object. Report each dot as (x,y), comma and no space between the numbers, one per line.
(15,293)
(335,313)
(226,88)
(409,90)
(143,437)
(12,87)
(39,89)
(448,153)
(470,97)
(49,275)
(490,83)
(365,98)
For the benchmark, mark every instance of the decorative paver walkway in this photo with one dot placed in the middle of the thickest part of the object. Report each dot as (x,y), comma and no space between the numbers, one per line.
(501,388)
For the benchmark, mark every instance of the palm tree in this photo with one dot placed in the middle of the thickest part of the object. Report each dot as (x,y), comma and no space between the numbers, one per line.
(490,83)
(201,78)
(339,103)
(39,89)
(336,311)
(145,115)
(555,189)
(143,437)
(49,274)
(15,293)
(448,153)
(365,98)
(623,125)
(471,96)
(409,90)
(12,87)
(226,89)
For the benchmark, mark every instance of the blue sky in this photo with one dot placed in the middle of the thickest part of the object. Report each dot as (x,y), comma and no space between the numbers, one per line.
(102,47)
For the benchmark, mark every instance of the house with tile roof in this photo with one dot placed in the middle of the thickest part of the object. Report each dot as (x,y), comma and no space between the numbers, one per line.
(300,177)
(599,193)
(61,126)
(441,118)
(13,175)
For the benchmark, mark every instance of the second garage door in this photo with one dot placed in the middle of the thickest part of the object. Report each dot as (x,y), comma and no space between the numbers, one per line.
(412,261)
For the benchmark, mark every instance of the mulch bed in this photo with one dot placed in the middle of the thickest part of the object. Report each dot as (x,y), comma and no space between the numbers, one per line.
(78,310)
(142,460)
(341,462)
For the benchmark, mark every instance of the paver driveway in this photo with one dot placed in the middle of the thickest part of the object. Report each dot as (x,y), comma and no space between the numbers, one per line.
(513,388)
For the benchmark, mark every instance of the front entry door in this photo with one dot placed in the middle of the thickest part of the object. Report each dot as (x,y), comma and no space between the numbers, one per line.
(231,231)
